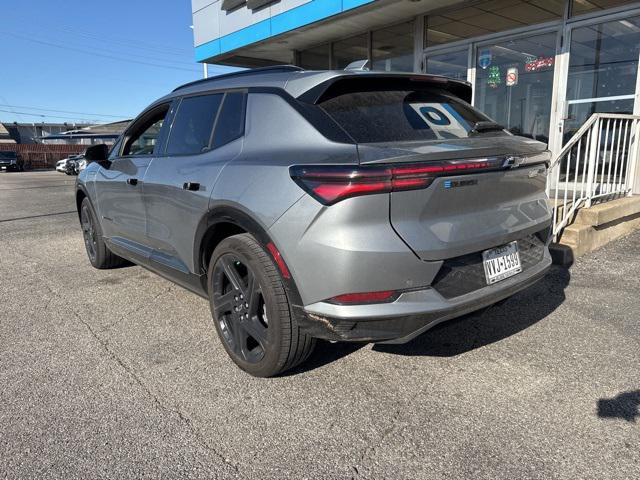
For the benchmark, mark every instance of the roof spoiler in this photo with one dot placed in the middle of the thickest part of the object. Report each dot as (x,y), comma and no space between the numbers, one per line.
(373,80)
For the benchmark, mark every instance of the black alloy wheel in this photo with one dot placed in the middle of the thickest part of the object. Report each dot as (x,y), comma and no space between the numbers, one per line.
(99,254)
(251,310)
(89,232)
(240,309)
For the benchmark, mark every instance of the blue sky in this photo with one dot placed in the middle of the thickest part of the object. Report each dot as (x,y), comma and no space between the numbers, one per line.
(75,60)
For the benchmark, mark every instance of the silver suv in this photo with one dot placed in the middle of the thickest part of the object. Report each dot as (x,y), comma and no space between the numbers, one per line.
(346,206)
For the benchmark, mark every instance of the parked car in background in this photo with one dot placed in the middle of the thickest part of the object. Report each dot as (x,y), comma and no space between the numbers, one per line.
(67,165)
(346,206)
(61,165)
(81,164)
(10,162)
(73,164)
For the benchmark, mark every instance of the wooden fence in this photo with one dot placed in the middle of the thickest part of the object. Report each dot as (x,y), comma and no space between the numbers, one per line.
(38,155)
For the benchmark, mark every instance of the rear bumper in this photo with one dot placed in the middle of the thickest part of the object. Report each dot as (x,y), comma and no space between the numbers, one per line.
(411,314)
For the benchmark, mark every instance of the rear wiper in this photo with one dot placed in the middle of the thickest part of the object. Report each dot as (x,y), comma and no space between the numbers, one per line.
(481,127)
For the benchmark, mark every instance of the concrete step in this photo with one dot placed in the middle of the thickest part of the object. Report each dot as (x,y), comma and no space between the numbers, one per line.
(596,227)
(575,234)
(608,212)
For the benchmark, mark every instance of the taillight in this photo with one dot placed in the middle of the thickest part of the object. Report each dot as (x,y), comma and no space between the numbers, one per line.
(331,183)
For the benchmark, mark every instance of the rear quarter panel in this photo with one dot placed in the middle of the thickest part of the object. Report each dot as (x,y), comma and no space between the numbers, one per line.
(276,137)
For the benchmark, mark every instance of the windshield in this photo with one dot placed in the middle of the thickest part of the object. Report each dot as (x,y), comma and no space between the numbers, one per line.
(403,115)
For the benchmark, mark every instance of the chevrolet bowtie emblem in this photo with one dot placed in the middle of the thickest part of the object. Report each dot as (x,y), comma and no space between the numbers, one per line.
(512,162)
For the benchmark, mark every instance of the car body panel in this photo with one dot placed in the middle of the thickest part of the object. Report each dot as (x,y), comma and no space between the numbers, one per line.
(121,205)
(173,213)
(347,249)
(461,214)
(258,180)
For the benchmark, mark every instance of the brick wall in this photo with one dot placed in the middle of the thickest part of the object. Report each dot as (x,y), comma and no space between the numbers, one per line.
(42,156)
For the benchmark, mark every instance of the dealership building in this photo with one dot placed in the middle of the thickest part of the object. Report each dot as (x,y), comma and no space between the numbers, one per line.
(540,67)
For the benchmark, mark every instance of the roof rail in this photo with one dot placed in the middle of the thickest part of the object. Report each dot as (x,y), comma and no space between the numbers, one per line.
(249,71)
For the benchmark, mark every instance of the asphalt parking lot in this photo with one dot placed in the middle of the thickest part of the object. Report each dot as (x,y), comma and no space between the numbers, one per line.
(119,374)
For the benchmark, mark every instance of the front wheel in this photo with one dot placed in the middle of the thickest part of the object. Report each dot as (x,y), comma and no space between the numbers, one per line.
(99,254)
(250,309)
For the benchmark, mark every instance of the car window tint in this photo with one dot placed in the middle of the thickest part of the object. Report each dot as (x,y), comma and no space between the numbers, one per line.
(230,123)
(402,115)
(191,129)
(144,142)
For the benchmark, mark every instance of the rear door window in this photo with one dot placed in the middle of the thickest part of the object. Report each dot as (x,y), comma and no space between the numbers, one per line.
(230,123)
(402,115)
(193,123)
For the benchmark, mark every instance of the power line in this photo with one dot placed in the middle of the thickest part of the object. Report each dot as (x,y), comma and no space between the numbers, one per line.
(95,54)
(128,42)
(137,44)
(42,115)
(97,50)
(64,111)
(3,98)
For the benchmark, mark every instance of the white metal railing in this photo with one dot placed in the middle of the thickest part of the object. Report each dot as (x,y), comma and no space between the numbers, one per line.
(597,164)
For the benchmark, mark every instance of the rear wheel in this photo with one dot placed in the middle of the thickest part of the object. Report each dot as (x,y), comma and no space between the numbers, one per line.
(251,311)
(99,254)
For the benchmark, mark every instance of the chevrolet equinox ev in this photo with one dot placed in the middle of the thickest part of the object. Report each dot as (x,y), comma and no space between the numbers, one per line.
(337,205)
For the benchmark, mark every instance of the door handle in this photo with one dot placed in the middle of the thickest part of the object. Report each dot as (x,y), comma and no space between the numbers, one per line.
(132,181)
(191,186)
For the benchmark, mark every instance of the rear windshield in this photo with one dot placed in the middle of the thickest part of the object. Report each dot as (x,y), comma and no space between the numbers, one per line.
(402,115)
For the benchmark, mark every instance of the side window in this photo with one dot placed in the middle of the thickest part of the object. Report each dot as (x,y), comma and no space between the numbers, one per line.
(191,130)
(143,138)
(230,124)
(115,150)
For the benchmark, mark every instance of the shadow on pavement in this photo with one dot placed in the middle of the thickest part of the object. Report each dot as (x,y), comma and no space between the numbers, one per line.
(325,353)
(489,325)
(626,406)
(466,333)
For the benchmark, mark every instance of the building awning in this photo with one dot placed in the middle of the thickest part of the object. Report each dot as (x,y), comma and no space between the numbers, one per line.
(315,22)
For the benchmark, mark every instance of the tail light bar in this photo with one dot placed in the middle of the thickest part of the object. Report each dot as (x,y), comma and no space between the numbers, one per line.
(330,184)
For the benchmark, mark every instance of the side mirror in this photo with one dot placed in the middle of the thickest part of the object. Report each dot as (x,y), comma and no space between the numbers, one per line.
(97,153)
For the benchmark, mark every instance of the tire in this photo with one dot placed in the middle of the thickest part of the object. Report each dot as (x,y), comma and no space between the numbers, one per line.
(250,309)
(99,254)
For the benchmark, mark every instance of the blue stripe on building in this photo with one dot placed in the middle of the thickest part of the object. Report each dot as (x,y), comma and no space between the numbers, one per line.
(297,17)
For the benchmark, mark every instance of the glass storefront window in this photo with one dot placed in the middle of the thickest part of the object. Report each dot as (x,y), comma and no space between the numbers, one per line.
(604,59)
(578,113)
(514,83)
(450,64)
(603,64)
(489,16)
(392,48)
(316,58)
(350,50)
(578,7)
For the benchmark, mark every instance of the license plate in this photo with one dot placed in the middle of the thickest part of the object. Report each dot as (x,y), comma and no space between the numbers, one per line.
(501,262)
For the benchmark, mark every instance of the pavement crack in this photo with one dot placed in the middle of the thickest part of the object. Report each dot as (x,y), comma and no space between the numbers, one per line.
(185,420)
(370,451)
(36,216)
